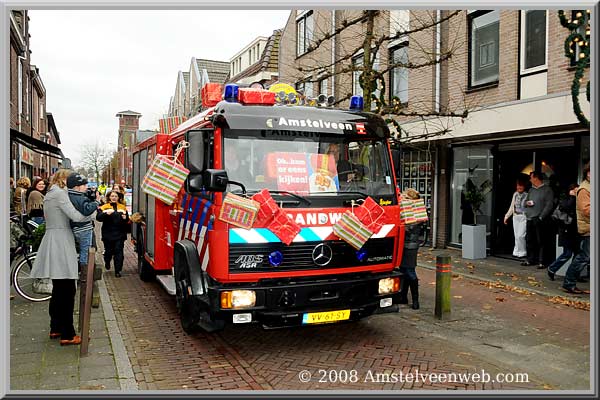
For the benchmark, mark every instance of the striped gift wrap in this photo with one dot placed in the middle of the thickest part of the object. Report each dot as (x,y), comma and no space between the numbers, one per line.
(164,179)
(239,211)
(351,230)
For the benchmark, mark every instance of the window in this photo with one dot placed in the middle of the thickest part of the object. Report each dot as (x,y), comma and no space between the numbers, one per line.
(533,40)
(357,62)
(304,30)
(399,75)
(305,88)
(323,86)
(484,47)
(20,87)
(399,22)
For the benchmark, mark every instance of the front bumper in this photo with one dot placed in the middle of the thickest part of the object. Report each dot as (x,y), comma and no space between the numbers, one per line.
(284,302)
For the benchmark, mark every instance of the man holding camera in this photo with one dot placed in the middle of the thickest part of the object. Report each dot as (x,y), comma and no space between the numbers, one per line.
(86,202)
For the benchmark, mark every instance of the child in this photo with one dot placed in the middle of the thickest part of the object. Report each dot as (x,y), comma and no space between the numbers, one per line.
(83,231)
(115,223)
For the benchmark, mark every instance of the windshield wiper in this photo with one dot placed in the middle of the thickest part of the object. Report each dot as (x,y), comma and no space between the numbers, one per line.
(353,192)
(294,195)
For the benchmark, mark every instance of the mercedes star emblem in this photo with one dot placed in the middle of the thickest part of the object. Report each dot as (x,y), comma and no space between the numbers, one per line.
(322,254)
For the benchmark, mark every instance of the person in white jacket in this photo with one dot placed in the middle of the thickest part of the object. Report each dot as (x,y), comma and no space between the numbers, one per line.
(517,212)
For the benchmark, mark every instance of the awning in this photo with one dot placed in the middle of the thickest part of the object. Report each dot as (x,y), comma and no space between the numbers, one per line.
(35,144)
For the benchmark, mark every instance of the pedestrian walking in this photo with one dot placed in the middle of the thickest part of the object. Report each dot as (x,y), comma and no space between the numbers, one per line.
(408,263)
(115,224)
(517,212)
(57,259)
(83,231)
(35,201)
(538,207)
(582,259)
(567,230)
(20,197)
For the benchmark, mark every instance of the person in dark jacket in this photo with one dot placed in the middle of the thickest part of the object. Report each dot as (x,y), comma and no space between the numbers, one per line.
(115,224)
(409,258)
(567,232)
(539,205)
(83,231)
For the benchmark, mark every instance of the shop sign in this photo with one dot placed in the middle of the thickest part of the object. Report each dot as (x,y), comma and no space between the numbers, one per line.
(26,155)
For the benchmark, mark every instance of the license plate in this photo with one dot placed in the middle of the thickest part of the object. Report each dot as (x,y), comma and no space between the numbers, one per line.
(325,317)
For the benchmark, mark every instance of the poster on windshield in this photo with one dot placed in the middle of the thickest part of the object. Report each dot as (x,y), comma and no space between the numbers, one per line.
(303,173)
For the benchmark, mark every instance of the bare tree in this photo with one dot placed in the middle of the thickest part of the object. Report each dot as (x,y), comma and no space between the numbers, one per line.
(95,158)
(436,115)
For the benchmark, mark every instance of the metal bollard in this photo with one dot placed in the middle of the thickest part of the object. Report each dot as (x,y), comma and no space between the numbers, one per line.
(443,279)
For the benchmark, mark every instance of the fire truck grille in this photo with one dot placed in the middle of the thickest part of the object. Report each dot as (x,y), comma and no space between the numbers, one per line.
(308,255)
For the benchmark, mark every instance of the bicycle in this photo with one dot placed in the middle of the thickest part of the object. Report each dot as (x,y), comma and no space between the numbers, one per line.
(22,257)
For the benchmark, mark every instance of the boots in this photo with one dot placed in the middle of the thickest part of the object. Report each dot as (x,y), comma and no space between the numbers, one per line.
(403,294)
(414,292)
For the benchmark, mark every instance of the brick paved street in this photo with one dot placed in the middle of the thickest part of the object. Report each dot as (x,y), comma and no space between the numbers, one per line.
(490,329)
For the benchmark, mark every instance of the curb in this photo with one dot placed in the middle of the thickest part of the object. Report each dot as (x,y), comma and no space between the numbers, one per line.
(532,290)
(124,370)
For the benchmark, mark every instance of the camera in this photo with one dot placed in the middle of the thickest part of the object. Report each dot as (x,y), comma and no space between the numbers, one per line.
(91,193)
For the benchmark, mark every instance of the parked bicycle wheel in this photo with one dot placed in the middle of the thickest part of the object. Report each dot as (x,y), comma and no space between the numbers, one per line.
(27,287)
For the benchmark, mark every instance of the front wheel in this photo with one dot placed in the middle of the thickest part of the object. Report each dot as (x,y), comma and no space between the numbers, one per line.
(26,286)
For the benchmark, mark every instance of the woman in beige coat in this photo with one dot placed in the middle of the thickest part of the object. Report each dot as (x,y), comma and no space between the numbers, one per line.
(57,258)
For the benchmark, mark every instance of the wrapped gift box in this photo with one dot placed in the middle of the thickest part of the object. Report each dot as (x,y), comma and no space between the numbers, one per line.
(351,230)
(371,214)
(284,227)
(164,178)
(268,207)
(419,210)
(239,211)
(407,214)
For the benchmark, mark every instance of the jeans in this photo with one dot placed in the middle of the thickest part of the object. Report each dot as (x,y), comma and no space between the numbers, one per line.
(84,240)
(579,263)
(408,263)
(561,260)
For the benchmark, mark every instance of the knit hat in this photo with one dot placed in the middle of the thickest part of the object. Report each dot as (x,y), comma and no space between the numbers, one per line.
(75,180)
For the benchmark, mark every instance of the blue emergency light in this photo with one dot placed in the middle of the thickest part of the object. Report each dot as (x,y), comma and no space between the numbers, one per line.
(231,93)
(361,255)
(276,258)
(356,103)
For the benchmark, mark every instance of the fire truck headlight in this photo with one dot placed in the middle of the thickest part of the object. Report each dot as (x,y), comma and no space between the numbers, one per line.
(389,285)
(238,299)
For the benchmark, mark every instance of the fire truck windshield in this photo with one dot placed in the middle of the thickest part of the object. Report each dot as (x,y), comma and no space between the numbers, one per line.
(308,164)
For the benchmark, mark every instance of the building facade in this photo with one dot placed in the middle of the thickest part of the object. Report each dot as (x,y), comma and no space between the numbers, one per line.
(257,62)
(503,74)
(33,138)
(129,123)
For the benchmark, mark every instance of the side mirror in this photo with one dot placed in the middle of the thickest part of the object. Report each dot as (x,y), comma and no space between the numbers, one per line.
(215,180)
(194,183)
(194,155)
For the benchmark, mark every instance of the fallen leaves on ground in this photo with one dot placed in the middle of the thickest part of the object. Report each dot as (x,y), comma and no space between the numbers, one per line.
(500,285)
(580,305)
(457,297)
(487,307)
(500,299)
(499,274)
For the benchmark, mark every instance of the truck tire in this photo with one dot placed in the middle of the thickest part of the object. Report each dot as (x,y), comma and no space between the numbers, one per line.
(145,270)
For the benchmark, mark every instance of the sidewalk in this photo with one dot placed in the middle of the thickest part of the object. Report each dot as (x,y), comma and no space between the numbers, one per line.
(40,363)
(506,272)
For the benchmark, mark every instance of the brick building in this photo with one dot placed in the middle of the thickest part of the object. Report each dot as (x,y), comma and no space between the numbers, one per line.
(257,62)
(129,124)
(507,68)
(33,136)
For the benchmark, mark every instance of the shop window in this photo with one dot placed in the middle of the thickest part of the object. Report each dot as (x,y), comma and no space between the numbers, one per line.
(484,47)
(476,164)
(416,172)
(533,40)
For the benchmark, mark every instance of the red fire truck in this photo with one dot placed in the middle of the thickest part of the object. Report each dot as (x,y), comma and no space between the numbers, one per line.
(243,143)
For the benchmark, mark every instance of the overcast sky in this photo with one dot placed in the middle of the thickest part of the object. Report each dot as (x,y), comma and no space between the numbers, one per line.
(97,63)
